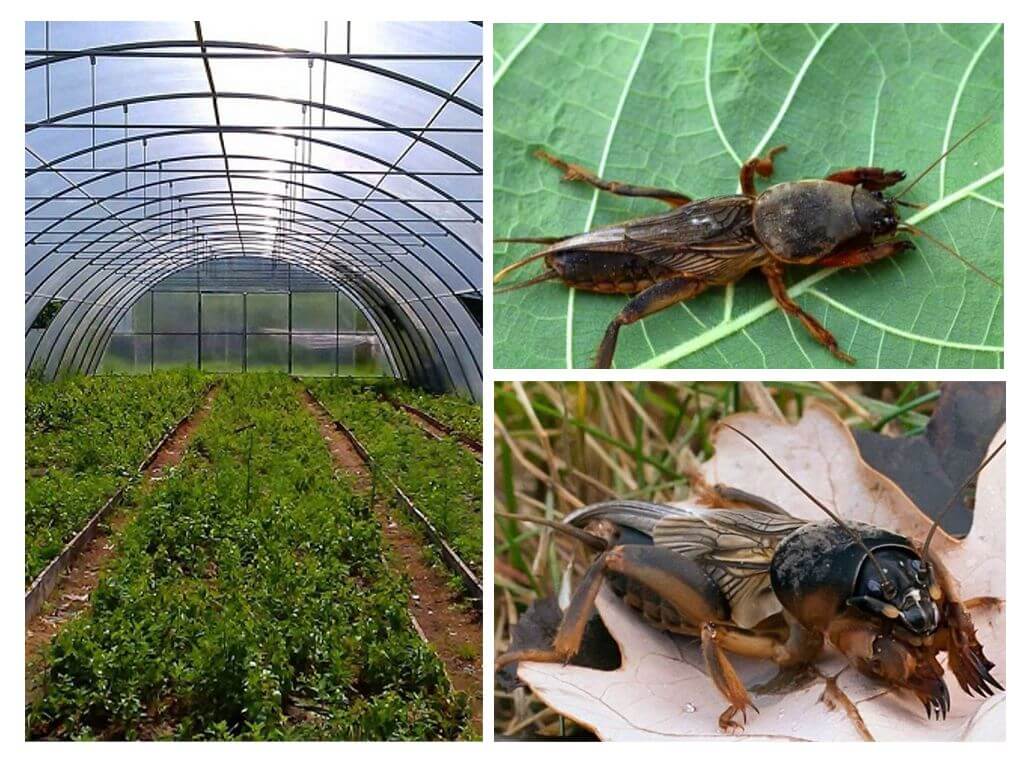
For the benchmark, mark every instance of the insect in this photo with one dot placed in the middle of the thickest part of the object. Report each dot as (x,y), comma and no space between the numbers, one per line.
(843,220)
(748,578)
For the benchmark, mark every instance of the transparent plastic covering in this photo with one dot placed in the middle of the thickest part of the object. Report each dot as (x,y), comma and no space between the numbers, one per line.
(350,151)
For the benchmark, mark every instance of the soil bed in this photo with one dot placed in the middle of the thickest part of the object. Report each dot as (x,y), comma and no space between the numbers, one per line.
(452,628)
(71,595)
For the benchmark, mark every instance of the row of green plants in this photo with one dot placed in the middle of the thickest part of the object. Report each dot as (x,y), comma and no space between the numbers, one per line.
(248,600)
(85,437)
(458,412)
(440,476)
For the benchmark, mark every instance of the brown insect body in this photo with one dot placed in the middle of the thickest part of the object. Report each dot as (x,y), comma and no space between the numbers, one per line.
(758,582)
(708,240)
(842,220)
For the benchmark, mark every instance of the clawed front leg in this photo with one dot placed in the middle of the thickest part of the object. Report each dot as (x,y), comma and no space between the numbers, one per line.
(762,166)
(869,177)
(885,658)
(965,654)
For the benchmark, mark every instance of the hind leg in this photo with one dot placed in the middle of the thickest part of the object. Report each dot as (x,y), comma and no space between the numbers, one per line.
(571,627)
(579,173)
(654,299)
(681,582)
(699,602)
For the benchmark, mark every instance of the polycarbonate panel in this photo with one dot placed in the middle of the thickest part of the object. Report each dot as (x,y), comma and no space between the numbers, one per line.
(267,353)
(314,313)
(350,318)
(175,312)
(222,353)
(314,354)
(127,353)
(266,312)
(360,356)
(175,351)
(223,312)
(139,319)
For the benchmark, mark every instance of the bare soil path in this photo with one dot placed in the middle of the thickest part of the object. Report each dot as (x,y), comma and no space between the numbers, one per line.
(71,596)
(452,628)
(435,428)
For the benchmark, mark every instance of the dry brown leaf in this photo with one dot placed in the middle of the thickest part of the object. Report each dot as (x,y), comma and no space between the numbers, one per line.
(662,692)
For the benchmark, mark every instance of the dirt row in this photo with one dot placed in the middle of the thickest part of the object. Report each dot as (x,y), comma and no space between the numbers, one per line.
(452,628)
(435,429)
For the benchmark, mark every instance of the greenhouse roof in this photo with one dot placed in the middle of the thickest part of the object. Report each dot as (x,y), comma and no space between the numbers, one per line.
(351,150)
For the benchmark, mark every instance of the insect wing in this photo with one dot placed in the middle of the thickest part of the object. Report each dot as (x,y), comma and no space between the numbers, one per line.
(736,546)
(699,239)
(641,516)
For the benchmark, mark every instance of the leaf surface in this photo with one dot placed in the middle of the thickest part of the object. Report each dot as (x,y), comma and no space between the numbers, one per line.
(681,106)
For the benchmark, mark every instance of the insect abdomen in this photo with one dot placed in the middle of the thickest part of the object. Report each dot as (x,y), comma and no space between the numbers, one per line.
(603,272)
(656,611)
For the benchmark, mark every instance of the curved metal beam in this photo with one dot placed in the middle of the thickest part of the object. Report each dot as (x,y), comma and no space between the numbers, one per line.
(357,61)
(412,275)
(243,95)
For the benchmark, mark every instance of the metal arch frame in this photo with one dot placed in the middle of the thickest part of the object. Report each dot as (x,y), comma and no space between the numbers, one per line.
(247,96)
(369,300)
(157,216)
(124,296)
(347,272)
(159,200)
(145,167)
(258,50)
(141,167)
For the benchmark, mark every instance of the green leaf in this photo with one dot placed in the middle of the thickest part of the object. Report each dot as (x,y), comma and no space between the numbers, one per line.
(681,106)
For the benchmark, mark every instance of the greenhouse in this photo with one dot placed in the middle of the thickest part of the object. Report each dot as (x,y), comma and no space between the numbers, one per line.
(253,461)
(302,197)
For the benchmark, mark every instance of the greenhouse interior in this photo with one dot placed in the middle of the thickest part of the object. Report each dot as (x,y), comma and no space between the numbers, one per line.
(307,205)
(253,367)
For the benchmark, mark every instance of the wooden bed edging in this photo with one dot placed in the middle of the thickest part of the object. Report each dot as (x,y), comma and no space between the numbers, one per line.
(474,445)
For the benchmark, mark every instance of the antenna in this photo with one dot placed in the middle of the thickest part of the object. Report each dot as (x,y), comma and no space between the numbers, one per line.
(949,249)
(887,583)
(938,160)
(949,504)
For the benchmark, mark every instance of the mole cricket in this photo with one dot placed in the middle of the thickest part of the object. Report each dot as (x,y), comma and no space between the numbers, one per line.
(742,575)
(842,220)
